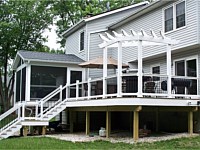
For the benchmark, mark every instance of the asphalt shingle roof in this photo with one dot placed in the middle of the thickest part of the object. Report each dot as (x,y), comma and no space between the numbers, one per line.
(66,58)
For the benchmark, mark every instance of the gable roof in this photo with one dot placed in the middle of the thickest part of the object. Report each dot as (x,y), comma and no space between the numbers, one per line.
(154,5)
(82,22)
(46,57)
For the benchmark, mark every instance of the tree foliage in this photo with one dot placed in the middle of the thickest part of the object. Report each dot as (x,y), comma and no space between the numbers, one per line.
(21,26)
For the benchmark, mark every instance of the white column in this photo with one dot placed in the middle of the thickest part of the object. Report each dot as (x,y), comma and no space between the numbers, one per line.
(169,82)
(119,68)
(139,74)
(28,82)
(105,69)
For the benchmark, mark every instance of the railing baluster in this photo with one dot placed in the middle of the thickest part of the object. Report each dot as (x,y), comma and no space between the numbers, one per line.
(89,88)
(36,109)
(77,89)
(67,90)
(19,112)
(23,110)
(60,92)
(41,116)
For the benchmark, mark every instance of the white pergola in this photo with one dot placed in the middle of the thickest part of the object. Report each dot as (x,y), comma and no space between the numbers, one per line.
(140,39)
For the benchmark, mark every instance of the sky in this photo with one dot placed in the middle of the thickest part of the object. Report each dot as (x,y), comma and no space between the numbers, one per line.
(52,38)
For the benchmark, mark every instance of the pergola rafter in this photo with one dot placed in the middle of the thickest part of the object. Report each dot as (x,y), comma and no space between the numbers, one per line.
(129,40)
(140,39)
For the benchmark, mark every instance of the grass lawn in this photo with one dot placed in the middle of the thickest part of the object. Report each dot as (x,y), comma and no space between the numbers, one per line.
(51,143)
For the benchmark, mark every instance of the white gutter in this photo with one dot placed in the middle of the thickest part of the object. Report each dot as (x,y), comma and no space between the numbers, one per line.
(51,61)
(115,11)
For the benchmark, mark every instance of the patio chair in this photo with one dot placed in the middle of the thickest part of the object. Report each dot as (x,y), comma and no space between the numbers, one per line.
(150,87)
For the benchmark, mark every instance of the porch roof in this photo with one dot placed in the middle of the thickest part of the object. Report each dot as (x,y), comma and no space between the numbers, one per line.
(46,57)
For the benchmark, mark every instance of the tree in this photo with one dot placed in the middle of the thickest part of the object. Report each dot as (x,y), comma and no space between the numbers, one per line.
(21,26)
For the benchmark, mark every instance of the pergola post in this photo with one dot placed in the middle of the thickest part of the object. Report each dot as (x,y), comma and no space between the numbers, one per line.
(169,82)
(105,69)
(139,74)
(28,82)
(119,68)
(87,130)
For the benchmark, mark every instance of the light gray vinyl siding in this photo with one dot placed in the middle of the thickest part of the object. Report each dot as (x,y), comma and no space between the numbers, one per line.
(72,45)
(187,35)
(199,20)
(95,52)
(103,22)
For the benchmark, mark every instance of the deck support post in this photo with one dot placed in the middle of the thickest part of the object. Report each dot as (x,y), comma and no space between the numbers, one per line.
(108,123)
(71,122)
(136,123)
(140,74)
(190,122)
(25,131)
(87,130)
(44,130)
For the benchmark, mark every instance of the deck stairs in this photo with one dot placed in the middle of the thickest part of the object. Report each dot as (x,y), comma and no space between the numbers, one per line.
(15,118)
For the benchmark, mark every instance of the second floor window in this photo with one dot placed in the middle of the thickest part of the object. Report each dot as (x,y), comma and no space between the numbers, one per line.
(82,41)
(180,15)
(174,17)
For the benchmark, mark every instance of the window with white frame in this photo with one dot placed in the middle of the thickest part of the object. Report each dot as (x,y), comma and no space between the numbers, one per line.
(82,40)
(174,16)
(155,70)
(187,68)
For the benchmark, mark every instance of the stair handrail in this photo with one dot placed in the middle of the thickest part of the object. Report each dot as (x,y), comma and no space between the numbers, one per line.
(11,110)
(16,107)
(48,97)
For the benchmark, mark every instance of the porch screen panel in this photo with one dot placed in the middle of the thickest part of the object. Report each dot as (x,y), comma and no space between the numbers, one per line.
(23,84)
(46,79)
(18,81)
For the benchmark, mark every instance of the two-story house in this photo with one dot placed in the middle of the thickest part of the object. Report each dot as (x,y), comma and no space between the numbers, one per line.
(159,91)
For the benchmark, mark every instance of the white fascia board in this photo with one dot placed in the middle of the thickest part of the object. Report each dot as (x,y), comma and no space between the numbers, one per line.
(115,11)
(74,28)
(132,102)
(51,61)
(18,55)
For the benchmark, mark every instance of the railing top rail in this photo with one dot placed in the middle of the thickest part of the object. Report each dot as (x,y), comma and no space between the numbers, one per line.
(155,75)
(184,77)
(46,98)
